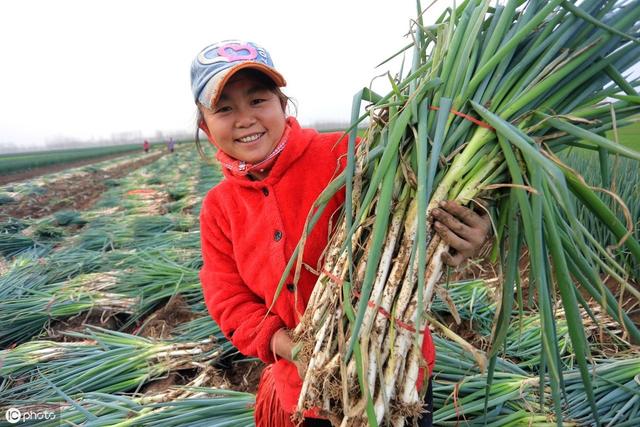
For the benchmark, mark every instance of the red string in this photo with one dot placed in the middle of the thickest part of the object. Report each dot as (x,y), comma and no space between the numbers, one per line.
(466,116)
(334,279)
(372,304)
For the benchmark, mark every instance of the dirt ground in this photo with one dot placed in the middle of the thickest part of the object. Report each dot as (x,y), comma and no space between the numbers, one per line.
(238,374)
(71,193)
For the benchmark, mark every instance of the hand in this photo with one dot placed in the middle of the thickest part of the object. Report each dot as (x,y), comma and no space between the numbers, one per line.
(282,345)
(302,369)
(462,229)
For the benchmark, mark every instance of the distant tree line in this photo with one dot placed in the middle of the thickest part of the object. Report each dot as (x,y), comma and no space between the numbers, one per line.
(120,138)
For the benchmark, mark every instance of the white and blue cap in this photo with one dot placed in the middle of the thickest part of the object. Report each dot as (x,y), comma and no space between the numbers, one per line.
(216,63)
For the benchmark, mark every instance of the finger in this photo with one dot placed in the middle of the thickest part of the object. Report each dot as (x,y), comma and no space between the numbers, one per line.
(453,260)
(302,369)
(451,222)
(452,239)
(464,214)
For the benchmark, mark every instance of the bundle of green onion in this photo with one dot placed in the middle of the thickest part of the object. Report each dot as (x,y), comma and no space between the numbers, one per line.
(194,406)
(25,316)
(15,244)
(140,283)
(523,341)
(203,328)
(616,384)
(459,388)
(156,276)
(130,231)
(493,93)
(471,300)
(33,270)
(171,240)
(210,408)
(103,361)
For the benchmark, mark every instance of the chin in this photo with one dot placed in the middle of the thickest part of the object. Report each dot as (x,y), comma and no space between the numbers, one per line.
(254,159)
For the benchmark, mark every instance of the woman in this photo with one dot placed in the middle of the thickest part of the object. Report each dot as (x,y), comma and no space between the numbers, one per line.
(252,220)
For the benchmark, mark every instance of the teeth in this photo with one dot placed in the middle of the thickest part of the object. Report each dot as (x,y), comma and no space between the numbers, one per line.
(250,138)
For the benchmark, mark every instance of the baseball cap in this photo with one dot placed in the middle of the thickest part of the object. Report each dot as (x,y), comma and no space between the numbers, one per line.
(216,63)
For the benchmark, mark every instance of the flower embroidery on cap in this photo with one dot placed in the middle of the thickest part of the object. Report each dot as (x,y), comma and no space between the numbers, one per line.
(236,52)
(232,51)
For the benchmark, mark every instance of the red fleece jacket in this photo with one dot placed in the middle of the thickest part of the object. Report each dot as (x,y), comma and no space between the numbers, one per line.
(249,230)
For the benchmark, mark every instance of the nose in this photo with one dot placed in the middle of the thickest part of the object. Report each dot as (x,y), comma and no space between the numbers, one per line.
(244,118)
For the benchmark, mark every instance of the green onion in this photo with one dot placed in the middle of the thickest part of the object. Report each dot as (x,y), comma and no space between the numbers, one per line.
(527,70)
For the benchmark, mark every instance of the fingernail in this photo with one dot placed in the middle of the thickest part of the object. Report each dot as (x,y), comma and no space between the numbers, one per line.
(441,204)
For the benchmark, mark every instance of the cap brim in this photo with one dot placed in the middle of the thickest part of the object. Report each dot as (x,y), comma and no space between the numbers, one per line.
(211,92)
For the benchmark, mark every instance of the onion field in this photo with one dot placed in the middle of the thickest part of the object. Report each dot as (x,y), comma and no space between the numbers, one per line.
(20,162)
(102,318)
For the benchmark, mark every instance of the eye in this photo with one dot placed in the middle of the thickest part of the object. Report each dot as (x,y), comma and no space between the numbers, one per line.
(222,109)
(257,101)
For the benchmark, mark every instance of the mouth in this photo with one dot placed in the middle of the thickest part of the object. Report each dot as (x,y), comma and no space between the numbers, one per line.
(250,139)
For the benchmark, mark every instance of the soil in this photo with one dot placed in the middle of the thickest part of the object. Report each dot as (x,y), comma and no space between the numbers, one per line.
(160,324)
(71,193)
(244,375)
(237,374)
(79,324)
(163,384)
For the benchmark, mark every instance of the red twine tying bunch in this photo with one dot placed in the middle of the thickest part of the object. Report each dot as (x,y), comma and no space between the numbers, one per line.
(466,116)
(372,304)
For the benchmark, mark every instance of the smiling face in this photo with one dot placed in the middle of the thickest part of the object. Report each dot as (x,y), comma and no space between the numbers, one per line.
(248,120)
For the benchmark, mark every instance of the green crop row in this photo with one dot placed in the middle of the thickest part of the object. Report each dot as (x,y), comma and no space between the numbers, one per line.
(19,162)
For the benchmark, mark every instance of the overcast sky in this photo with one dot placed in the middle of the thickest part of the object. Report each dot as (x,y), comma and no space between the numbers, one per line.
(91,69)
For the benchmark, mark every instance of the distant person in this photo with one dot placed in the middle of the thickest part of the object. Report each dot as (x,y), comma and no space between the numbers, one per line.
(146,146)
(170,145)
(250,222)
